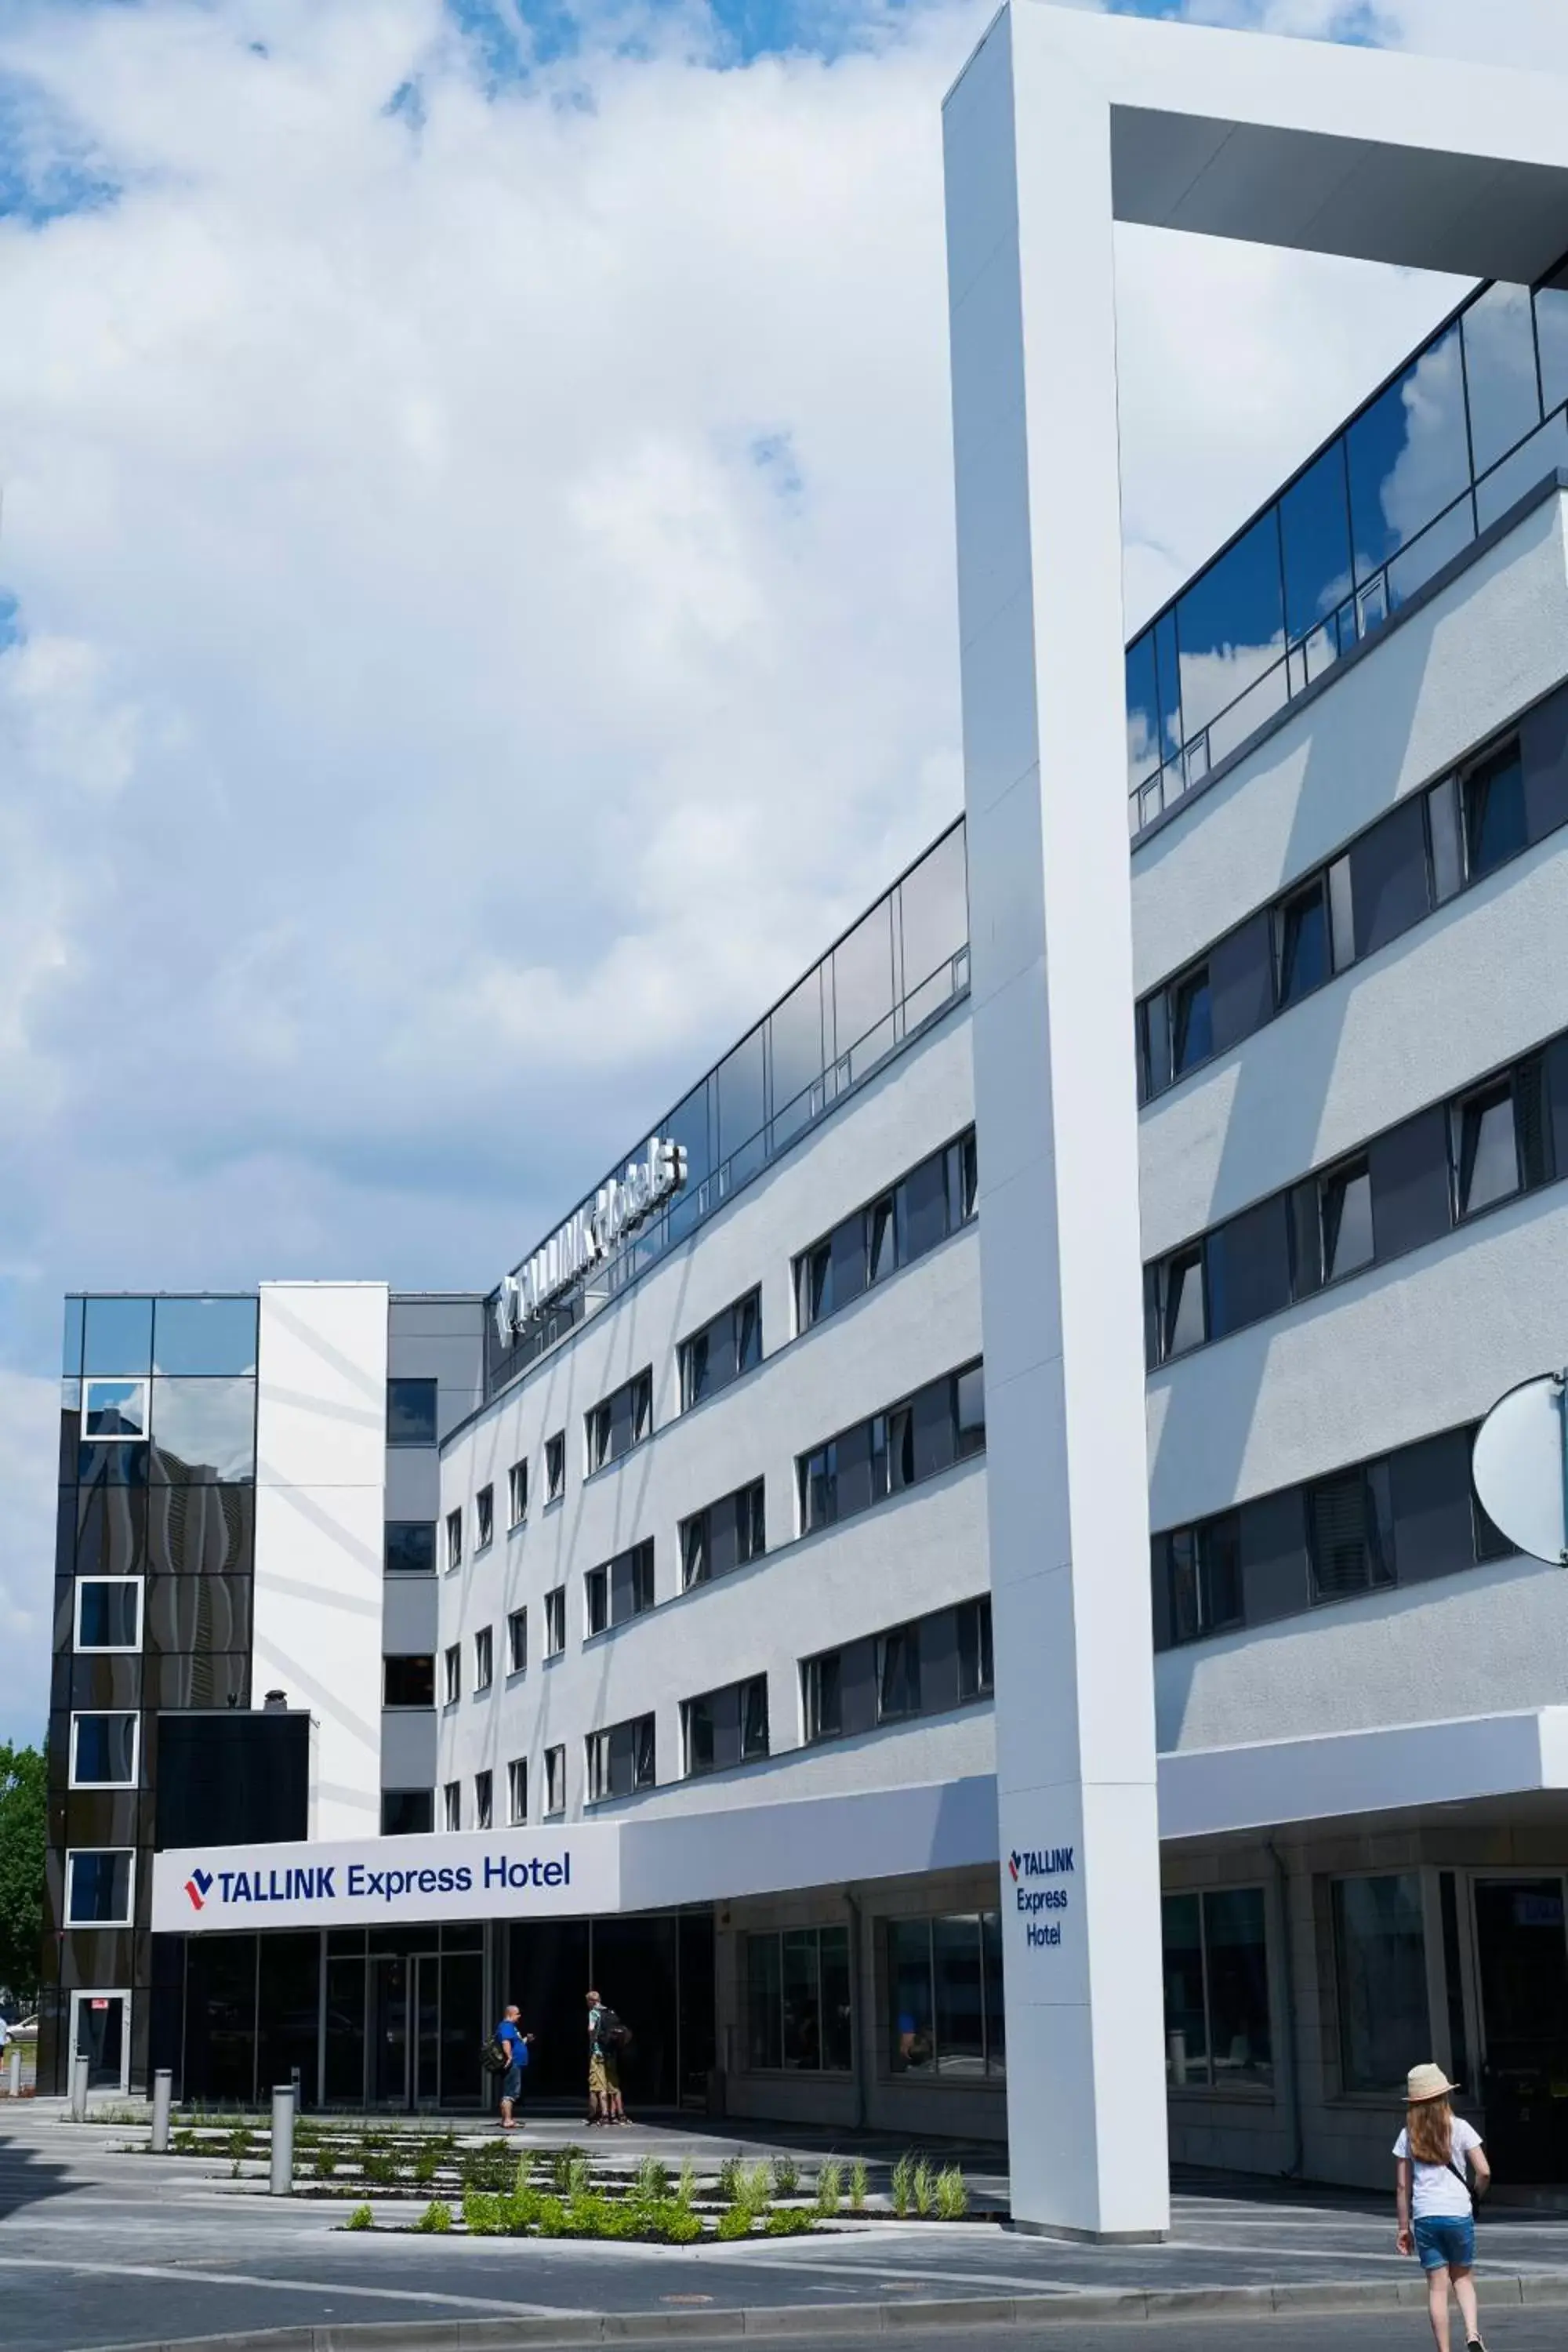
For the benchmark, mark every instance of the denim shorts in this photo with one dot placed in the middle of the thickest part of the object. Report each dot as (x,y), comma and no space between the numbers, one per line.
(511,2083)
(1445,2241)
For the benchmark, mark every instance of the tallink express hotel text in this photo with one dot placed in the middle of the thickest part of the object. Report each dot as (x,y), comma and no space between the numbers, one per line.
(628,1623)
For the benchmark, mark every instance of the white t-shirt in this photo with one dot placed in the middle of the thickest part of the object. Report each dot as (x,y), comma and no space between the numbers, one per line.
(1436,2188)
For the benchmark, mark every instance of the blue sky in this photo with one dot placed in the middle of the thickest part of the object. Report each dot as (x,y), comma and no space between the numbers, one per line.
(478,605)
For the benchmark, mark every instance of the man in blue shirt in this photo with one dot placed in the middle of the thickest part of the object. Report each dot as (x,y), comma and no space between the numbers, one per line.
(509,2032)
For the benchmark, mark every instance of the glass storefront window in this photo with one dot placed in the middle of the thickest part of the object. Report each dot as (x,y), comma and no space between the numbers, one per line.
(945,2013)
(1216,1960)
(960,1998)
(798,2001)
(764,2034)
(1380,1966)
(1186,2018)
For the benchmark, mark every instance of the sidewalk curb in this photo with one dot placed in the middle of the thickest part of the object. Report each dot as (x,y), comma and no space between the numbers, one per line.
(784,2320)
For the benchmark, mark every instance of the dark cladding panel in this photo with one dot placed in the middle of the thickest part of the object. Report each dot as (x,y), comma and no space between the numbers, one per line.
(234,1778)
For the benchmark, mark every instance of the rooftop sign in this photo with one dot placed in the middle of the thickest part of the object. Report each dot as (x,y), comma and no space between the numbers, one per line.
(592,1232)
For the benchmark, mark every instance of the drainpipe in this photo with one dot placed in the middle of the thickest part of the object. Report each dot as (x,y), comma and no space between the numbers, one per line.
(1282,1889)
(858,2014)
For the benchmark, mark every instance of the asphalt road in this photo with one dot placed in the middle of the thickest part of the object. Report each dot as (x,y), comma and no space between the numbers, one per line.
(100,2247)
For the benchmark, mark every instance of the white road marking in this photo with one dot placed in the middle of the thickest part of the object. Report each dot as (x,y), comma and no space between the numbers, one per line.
(288,2285)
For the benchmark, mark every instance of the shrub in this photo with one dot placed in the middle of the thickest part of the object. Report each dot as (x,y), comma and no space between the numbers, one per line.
(361,2218)
(686,2193)
(183,2141)
(652,2177)
(789,2221)
(551,2217)
(482,2214)
(436,2219)
(756,2188)
(903,2186)
(829,2185)
(678,2223)
(922,2187)
(569,2169)
(736,2222)
(324,2163)
(952,2194)
(380,2165)
(858,2186)
(425,2163)
(730,2174)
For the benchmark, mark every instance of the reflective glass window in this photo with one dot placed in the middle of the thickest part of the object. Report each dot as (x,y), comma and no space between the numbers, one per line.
(1142,712)
(555,1467)
(1186,2014)
(1349,1519)
(1231,624)
(204,1432)
(1448,851)
(555,1779)
(863,984)
(70,1350)
(1168,679)
(898,1673)
(114,1411)
(1346,1195)
(1191,1026)
(968,1412)
(933,914)
(108,1612)
(408,1682)
(1552,334)
(1248,1268)
(1494,813)
(838,2028)
(740,1086)
(912,2037)
(1486,1148)
(410,1413)
(960,1996)
(118,1336)
(1315,532)
(407,1812)
(1380,1960)
(203,1335)
(99,1889)
(1408,455)
(764,2039)
(104,1751)
(795,1042)
(823,1696)
(689,1124)
(802,2000)
(1301,959)
(1388,878)
(1499,373)
(1183,1322)
(1235,1963)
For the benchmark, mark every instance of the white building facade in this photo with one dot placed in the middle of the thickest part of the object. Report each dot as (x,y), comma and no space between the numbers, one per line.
(673,1563)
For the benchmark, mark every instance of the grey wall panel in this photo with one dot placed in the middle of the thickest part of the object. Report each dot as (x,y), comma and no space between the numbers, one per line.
(410,1620)
(408,1749)
(413,1481)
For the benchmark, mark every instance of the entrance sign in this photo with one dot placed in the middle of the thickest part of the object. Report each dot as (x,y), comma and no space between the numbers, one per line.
(593,1231)
(1520,1465)
(382,1881)
(1063,121)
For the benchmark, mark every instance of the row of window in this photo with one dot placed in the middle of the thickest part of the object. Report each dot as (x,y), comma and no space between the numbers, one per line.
(944,2006)
(917,1438)
(1428,849)
(1398,1518)
(900,1226)
(1504,1135)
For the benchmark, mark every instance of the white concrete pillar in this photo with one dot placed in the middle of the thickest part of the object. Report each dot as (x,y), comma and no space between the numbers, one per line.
(1029,228)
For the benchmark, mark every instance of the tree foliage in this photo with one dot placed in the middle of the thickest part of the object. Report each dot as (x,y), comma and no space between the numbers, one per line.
(22,1836)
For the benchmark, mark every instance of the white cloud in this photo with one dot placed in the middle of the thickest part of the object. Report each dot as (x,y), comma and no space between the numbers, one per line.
(488,589)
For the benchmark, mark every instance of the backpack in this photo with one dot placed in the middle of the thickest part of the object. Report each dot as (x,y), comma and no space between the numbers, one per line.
(614,2031)
(495,2055)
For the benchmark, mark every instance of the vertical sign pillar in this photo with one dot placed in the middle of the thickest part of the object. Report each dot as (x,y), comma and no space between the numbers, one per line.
(1032,315)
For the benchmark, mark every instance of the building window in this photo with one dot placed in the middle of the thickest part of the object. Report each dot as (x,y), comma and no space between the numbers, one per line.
(1349,1532)
(926,1433)
(516,1641)
(1493,795)
(1216,1990)
(484,1797)
(622,1421)
(410,1548)
(925,1667)
(517,1494)
(517,1790)
(452,1804)
(725,1727)
(555,1622)
(556,1780)
(1485,1147)
(621,1759)
(113,1412)
(484,1517)
(108,1613)
(724,1349)
(729,1534)
(1183,1316)
(100,1887)
(484,1659)
(1302,961)
(1345,1198)
(932,1200)
(103,1753)
(411,1413)
(621,1589)
(799,2015)
(1380,1966)
(555,1466)
(1191,1021)
(944,1996)
(408,1682)
(454,1539)
(452,1673)
(1203,1565)
(407,1812)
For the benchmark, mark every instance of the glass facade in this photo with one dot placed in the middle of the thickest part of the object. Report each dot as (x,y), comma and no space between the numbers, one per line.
(153,1589)
(1470,424)
(903,964)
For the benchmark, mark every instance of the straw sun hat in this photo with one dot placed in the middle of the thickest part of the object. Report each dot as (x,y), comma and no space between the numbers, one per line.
(1425,2083)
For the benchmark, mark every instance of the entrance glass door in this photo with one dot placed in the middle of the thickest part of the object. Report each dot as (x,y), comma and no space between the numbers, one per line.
(1522,1946)
(427,1969)
(386,2043)
(98,2026)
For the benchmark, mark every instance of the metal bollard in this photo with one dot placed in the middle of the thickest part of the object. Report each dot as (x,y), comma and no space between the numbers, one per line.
(15,2070)
(81,2066)
(162,2085)
(281,2183)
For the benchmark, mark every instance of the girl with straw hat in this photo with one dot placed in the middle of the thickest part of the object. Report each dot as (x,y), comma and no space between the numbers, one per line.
(1437,2203)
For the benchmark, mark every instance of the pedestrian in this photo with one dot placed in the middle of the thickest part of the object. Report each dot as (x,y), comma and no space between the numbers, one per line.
(606,2033)
(4,2038)
(1435,2201)
(514,2041)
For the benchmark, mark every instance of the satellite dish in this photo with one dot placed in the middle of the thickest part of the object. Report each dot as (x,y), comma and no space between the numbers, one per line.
(1520,1467)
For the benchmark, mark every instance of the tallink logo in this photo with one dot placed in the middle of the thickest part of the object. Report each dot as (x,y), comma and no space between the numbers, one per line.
(1048,1863)
(358,1882)
(198,1886)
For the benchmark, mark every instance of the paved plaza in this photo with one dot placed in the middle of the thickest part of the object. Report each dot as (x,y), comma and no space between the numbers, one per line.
(101,2244)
